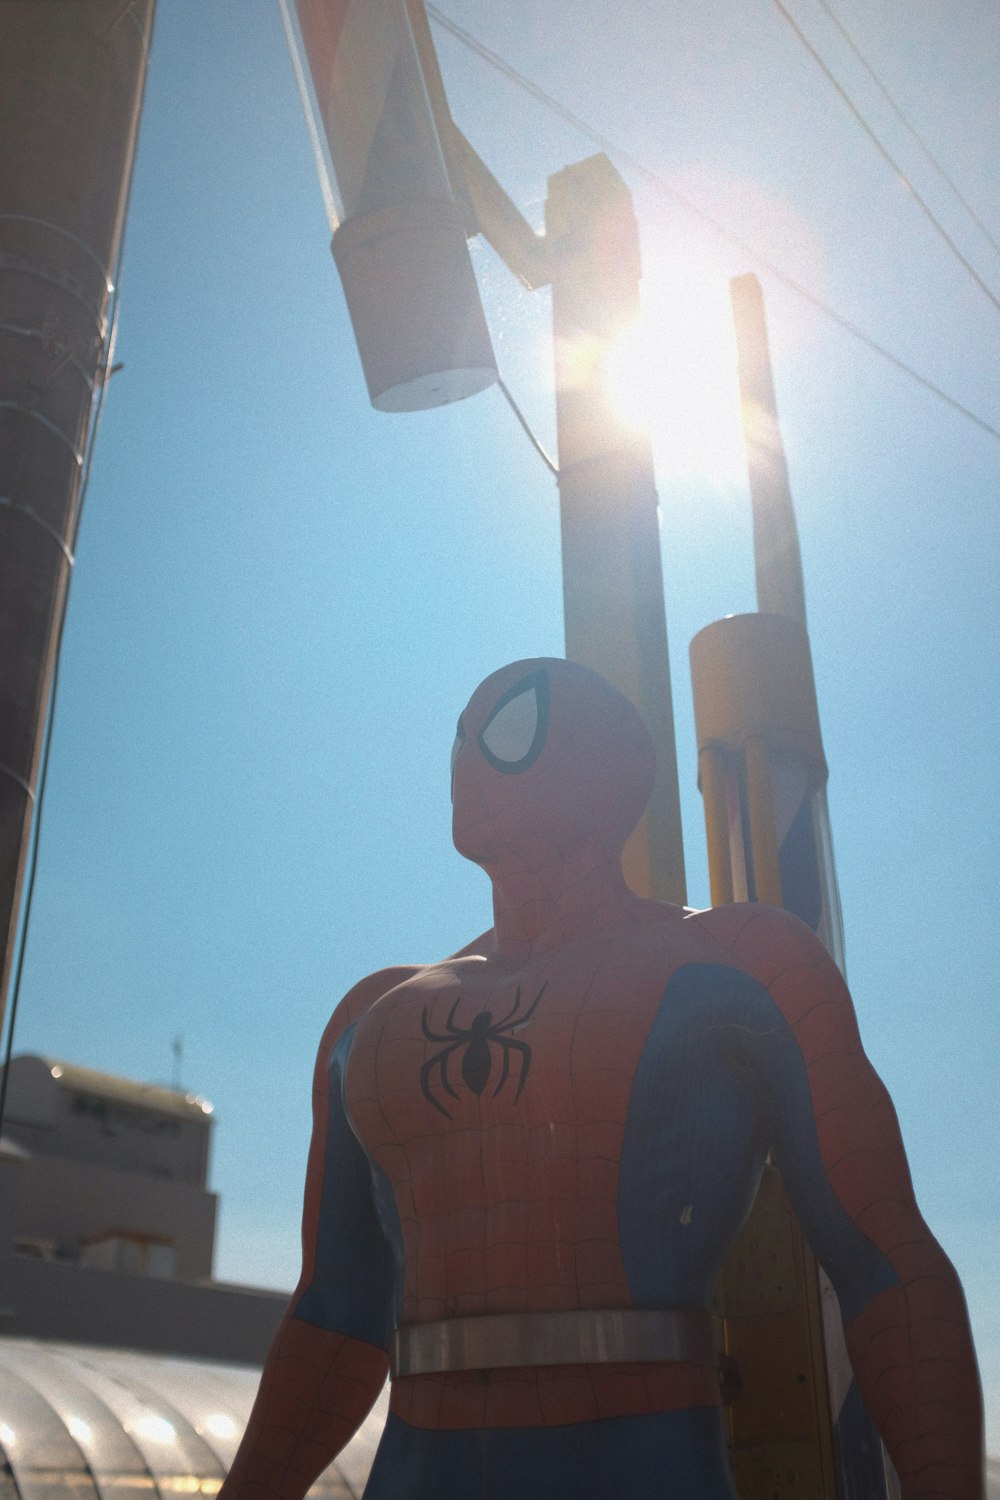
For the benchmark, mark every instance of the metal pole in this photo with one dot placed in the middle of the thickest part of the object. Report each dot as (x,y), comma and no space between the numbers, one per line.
(71,82)
(612,574)
(780,590)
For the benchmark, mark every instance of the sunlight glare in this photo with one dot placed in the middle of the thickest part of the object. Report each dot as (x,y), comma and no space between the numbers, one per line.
(674,373)
(156,1429)
(79,1429)
(220,1425)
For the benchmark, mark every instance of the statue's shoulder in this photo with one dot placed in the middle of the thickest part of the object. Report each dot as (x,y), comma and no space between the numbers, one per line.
(787,958)
(374,987)
(764,941)
(361,997)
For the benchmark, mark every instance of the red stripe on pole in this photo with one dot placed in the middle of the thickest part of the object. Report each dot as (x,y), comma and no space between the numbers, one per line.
(321,22)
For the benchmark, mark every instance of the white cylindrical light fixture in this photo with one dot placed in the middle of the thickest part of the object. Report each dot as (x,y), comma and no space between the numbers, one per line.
(400,249)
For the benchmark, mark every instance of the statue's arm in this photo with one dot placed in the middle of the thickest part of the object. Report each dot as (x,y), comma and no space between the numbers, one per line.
(839,1147)
(328,1360)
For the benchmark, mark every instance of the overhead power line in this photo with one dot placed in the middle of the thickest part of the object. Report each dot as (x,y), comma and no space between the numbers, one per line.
(539,448)
(886,155)
(909,127)
(584,127)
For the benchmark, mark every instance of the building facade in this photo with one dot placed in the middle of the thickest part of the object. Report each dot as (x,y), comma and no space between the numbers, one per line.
(107,1222)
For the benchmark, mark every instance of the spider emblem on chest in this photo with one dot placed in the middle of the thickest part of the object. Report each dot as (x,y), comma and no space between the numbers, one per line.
(475,1043)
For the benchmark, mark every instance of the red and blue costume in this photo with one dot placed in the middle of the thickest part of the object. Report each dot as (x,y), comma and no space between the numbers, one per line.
(571,1117)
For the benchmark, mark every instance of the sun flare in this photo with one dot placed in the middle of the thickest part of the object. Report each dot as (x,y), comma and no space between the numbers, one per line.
(674,373)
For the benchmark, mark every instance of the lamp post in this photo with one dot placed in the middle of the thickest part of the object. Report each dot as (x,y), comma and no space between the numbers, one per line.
(412,188)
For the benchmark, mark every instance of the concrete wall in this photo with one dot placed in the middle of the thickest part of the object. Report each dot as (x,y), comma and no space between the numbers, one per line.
(72,1304)
(10,1193)
(67,1202)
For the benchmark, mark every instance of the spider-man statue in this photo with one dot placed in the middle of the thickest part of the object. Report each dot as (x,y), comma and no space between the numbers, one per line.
(529,1159)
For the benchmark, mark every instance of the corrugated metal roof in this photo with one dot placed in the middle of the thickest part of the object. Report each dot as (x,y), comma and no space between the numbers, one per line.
(77,1423)
(149,1095)
(81,1421)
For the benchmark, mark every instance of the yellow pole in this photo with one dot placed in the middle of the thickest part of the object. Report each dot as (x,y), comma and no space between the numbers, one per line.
(755,708)
(612,574)
(760,806)
(712,774)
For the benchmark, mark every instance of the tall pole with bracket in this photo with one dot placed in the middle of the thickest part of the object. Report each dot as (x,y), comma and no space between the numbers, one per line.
(422,339)
(615,619)
(612,572)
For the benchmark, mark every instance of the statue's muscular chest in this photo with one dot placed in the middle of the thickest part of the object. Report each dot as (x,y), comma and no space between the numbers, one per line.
(495,1107)
(466,1047)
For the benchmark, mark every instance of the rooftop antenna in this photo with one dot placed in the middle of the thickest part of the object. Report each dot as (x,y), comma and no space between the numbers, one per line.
(177,1048)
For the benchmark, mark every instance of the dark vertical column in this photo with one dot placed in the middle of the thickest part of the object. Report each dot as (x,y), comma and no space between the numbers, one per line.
(612,574)
(71,81)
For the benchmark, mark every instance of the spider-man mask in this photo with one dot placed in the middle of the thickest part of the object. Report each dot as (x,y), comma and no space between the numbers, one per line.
(547,753)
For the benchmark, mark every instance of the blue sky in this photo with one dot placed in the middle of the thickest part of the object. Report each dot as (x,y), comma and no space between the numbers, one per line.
(283,599)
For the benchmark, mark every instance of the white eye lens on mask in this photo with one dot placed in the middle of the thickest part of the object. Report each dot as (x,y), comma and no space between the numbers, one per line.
(513,735)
